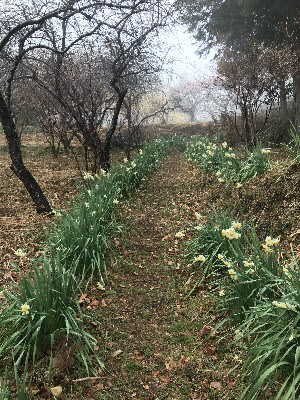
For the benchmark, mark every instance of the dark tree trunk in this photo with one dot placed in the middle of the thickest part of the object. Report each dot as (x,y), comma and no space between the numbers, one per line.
(283,100)
(296,90)
(247,128)
(105,154)
(130,129)
(17,166)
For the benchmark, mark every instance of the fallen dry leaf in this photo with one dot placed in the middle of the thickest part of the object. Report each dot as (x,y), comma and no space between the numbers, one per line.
(82,298)
(103,303)
(116,353)
(168,237)
(216,385)
(56,391)
(93,303)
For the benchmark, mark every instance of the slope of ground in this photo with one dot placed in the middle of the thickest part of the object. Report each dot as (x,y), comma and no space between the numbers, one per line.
(20,225)
(270,201)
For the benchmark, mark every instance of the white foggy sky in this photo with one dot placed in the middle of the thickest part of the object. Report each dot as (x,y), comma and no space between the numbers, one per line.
(186,64)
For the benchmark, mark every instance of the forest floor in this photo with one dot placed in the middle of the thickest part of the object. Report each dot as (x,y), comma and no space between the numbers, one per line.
(20,226)
(154,340)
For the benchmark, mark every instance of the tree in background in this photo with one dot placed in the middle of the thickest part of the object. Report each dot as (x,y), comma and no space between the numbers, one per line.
(255,89)
(234,25)
(188,97)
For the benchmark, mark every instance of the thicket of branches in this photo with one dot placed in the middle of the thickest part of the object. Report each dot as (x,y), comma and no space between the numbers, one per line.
(71,67)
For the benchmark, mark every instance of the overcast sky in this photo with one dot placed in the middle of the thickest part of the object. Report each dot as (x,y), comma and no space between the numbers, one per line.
(187,64)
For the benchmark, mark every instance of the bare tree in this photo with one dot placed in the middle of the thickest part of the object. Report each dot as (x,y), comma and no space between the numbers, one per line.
(90,86)
(248,78)
(28,29)
(188,97)
(23,33)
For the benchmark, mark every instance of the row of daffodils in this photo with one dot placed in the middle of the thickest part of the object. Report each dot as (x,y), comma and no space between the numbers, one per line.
(227,164)
(259,289)
(44,307)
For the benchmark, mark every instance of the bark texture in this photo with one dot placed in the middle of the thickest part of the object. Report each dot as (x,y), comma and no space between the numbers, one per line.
(17,165)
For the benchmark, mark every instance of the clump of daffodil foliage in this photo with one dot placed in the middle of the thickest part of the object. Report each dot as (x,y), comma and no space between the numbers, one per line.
(82,234)
(259,289)
(227,164)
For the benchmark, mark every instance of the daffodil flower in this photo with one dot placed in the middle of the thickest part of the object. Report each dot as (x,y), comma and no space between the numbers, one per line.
(87,176)
(271,242)
(198,215)
(200,258)
(266,249)
(57,213)
(25,309)
(236,225)
(20,253)
(232,273)
(248,264)
(286,306)
(230,233)
(198,227)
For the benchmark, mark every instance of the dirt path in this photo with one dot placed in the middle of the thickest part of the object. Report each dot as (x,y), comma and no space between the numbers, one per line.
(150,332)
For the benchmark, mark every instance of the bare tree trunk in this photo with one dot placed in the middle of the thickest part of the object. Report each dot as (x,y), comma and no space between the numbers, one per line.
(283,100)
(296,89)
(130,129)
(247,128)
(17,166)
(105,164)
